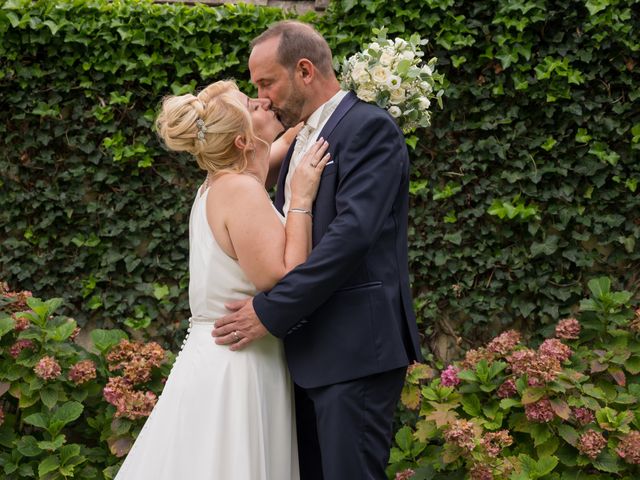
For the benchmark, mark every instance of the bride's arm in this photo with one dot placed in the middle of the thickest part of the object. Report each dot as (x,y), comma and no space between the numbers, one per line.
(265,250)
(278,151)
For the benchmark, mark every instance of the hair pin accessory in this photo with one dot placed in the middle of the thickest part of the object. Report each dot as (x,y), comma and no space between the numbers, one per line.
(202,129)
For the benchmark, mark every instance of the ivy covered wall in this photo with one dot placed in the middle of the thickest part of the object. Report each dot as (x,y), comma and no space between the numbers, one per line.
(525,187)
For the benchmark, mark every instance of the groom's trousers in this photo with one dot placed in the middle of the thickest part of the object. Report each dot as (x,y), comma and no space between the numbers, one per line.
(345,429)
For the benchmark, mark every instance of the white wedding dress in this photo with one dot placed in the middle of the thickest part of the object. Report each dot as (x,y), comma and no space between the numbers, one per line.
(222,415)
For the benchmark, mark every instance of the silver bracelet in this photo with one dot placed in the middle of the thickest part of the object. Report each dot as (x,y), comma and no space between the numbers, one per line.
(301,210)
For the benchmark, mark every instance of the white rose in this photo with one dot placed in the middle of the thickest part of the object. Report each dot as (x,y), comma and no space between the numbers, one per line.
(380,74)
(397,96)
(359,74)
(386,58)
(400,43)
(394,82)
(366,94)
(395,111)
(408,55)
(424,103)
(426,87)
(375,46)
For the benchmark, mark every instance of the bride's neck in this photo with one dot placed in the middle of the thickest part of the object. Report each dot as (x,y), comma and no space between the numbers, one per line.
(258,164)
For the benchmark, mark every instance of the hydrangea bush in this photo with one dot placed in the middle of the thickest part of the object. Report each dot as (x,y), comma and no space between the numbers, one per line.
(565,409)
(65,411)
(391,74)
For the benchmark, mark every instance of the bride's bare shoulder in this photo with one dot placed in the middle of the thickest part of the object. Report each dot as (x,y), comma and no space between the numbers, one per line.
(236,183)
(237,189)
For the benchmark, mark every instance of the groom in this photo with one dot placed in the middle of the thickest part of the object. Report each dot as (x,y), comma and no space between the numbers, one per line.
(345,315)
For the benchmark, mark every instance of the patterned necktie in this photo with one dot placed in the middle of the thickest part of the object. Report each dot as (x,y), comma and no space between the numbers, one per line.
(301,141)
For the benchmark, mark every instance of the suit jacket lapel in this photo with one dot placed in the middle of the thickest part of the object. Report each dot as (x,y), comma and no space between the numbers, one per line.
(343,107)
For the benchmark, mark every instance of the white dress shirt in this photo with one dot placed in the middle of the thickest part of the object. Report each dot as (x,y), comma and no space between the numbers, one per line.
(306,137)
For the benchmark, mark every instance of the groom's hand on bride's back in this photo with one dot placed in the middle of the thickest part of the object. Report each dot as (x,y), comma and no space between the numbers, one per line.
(240,327)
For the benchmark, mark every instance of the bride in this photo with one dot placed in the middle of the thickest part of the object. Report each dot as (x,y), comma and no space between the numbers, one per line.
(229,415)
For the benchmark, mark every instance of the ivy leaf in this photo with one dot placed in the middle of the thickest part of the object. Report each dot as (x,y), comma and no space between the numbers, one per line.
(596,6)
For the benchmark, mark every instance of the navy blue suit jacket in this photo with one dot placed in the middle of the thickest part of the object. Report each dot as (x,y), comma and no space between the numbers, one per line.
(343,312)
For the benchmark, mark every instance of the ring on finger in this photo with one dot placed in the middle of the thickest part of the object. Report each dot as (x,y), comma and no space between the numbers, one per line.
(236,337)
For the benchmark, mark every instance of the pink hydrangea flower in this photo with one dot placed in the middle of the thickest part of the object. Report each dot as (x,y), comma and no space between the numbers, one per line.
(462,434)
(552,347)
(540,369)
(540,411)
(19,302)
(629,448)
(583,415)
(22,323)
(449,376)
(82,372)
(504,343)
(135,359)
(481,472)
(129,403)
(405,474)
(507,389)
(474,356)
(47,368)
(20,345)
(591,443)
(568,328)
(494,442)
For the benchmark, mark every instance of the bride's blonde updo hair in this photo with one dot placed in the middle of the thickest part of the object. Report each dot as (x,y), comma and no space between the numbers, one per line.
(207,125)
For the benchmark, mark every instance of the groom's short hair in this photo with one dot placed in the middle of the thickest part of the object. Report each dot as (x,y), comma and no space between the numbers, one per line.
(298,40)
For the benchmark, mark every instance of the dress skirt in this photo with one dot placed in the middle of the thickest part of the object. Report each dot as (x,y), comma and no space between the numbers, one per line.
(222,415)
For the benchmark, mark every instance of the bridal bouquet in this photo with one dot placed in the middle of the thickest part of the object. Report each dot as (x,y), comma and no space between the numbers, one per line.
(391,74)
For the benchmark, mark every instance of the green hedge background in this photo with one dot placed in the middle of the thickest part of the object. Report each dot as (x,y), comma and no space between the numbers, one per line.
(524,188)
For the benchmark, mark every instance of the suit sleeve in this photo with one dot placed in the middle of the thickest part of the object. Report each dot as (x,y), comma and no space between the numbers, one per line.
(373,165)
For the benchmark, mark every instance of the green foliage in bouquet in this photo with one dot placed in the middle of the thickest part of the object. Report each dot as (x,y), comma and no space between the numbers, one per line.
(65,411)
(567,409)
(391,74)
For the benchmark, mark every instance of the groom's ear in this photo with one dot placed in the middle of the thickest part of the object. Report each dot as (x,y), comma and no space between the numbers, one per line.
(306,69)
